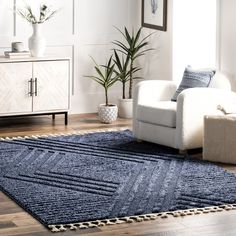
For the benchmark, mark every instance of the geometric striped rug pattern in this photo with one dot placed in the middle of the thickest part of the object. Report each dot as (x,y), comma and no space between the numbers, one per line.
(107,178)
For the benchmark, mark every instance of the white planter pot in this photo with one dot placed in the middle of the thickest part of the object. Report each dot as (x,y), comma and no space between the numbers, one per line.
(126,108)
(107,114)
(37,43)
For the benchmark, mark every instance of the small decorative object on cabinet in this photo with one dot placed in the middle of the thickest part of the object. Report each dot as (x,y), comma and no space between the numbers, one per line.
(106,78)
(17,51)
(15,55)
(37,43)
(17,46)
(33,86)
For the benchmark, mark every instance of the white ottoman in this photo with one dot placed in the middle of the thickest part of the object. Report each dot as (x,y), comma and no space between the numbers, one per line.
(219,143)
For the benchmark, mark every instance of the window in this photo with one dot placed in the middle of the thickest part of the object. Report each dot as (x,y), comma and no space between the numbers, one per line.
(194,35)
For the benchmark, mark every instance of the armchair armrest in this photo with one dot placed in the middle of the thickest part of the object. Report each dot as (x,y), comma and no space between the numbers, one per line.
(152,90)
(192,105)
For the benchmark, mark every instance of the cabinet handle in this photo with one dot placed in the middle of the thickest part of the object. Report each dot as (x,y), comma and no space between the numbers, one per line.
(36,87)
(30,83)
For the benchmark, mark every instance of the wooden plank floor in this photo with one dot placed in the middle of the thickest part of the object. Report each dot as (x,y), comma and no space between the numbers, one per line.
(15,221)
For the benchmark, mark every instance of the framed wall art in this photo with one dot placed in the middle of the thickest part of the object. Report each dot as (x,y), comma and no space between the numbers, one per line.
(154,14)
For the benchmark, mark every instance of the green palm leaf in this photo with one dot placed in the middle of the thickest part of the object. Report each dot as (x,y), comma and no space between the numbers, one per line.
(128,37)
(106,76)
(135,48)
(137,36)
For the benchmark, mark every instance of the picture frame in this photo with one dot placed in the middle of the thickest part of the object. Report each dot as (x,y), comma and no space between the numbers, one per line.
(154,14)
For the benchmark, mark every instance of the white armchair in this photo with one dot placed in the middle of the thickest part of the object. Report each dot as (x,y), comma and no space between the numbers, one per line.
(176,124)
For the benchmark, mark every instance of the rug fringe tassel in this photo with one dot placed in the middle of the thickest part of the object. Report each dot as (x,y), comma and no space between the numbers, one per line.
(140,218)
(64,134)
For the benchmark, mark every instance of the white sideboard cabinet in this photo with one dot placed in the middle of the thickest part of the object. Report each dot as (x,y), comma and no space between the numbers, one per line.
(34,86)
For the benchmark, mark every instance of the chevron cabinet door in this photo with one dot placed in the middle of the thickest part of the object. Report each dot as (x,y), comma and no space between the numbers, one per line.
(51,85)
(15,88)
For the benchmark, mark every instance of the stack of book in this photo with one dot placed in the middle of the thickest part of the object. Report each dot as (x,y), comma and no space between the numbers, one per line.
(16,55)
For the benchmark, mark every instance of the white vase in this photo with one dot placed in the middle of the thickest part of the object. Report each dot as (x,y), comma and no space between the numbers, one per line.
(126,108)
(37,43)
(107,114)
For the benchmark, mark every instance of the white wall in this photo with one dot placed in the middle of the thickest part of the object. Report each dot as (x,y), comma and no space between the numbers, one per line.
(190,39)
(227,50)
(158,63)
(81,28)
(85,27)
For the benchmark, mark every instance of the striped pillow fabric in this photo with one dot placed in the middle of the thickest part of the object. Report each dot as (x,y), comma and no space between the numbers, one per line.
(194,79)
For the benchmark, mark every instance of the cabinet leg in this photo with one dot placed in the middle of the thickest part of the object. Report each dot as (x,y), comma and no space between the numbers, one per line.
(53,116)
(66,118)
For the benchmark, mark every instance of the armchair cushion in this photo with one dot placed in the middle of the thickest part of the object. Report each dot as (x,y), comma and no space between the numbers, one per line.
(192,79)
(162,113)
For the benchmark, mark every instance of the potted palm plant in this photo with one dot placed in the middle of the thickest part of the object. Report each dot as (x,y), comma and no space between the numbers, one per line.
(134,47)
(122,71)
(106,78)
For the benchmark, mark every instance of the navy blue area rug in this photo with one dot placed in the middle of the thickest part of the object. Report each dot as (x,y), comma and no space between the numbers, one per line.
(82,181)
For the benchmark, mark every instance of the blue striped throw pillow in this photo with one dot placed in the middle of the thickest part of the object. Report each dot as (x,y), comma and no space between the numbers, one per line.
(193,79)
